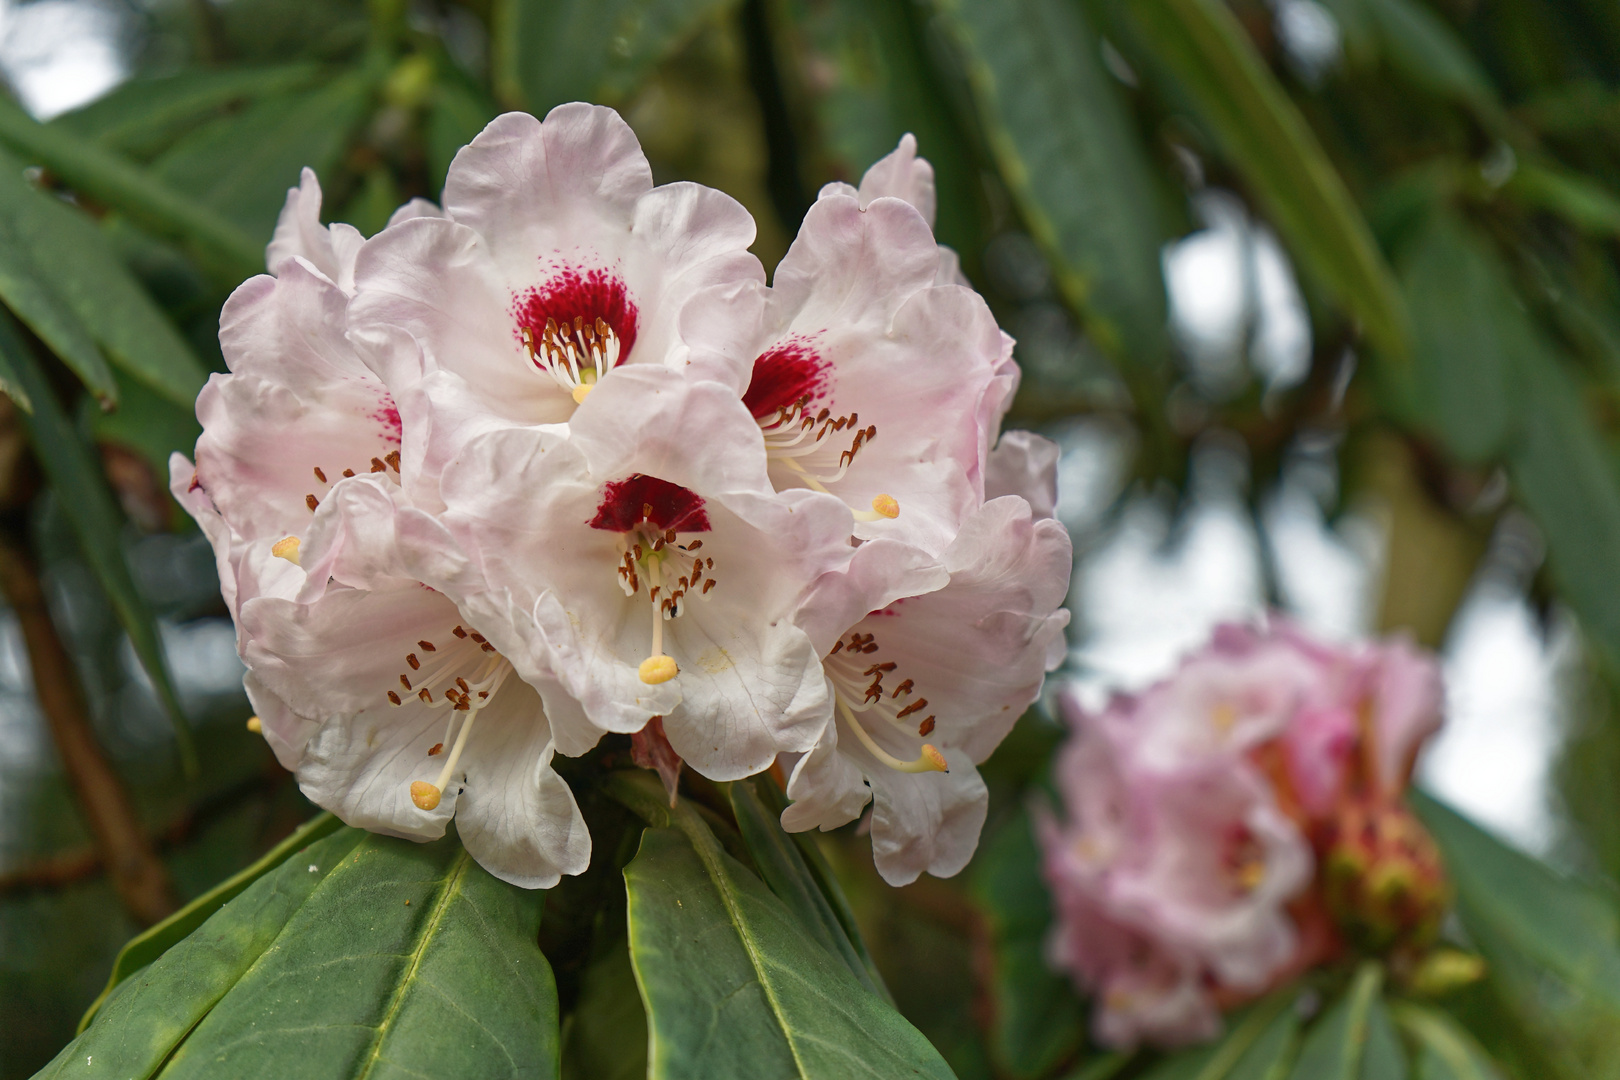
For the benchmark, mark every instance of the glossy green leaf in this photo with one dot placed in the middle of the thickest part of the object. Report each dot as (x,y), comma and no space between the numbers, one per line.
(365,956)
(1226,83)
(78,264)
(240,166)
(874,82)
(1446,1051)
(116,181)
(144,115)
(1509,897)
(153,942)
(783,867)
(28,293)
(1468,333)
(548,52)
(1333,1047)
(1564,476)
(1066,149)
(74,472)
(735,986)
(1038,1019)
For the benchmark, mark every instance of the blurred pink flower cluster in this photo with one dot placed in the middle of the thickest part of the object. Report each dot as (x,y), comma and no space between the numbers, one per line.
(1239,822)
(551,461)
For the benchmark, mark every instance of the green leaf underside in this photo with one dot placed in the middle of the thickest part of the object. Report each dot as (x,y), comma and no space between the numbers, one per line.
(1039,1021)
(363,957)
(1065,147)
(1334,1048)
(735,987)
(156,940)
(1509,900)
(144,115)
(241,165)
(226,250)
(1229,87)
(77,264)
(75,474)
(552,51)
(782,865)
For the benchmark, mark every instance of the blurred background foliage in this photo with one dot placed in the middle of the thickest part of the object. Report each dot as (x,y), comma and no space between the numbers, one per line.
(1341,265)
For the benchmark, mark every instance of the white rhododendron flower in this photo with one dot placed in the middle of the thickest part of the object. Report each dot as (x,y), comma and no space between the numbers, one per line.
(553,462)
(928,686)
(362,676)
(652,570)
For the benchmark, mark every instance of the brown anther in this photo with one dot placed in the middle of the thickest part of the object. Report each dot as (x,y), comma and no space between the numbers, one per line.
(875,668)
(707,585)
(459,632)
(694,545)
(320,475)
(483,693)
(837,647)
(393,459)
(708,564)
(312,502)
(426,695)
(869,647)
(669,536)
(638,551)
(465,689)
(393,697)
(926,727)
(652,593)
(416,665)
(476,636)
(871,433)
(405,681)
(903,688)
(348,472)
(646,511)
(438,748)
(916,706)
(426,646)
(377,465)
(487,647)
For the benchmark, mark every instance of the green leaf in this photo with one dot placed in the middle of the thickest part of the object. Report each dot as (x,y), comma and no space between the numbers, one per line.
(606,1036)
(1446,1050)
(456,114)
(152,426)
(1468,332)
(26,290)
(1565,477)
(1382,1057)
(365,956)
(152,943)
(1226,83)
(1038,1019)
(240,166)
(1419,45)
(77,262)
(75,474)
(1271,1052)
(1506,897)
(144,115)
(548,52)
(1583,203)
(1072,160)
(782,865)
(1332,1049)
(735,986)
(1257,1039)
(225,249)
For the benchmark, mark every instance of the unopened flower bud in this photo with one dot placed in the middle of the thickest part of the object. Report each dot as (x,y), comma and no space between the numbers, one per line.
(1384,880)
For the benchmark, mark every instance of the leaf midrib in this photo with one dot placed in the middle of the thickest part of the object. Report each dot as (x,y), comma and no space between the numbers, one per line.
(441,904)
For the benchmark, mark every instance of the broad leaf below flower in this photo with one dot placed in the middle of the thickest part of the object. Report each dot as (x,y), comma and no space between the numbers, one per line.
(362,956)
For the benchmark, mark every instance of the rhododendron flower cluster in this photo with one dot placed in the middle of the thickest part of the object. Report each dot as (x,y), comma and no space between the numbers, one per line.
(1237,823)
(552,461)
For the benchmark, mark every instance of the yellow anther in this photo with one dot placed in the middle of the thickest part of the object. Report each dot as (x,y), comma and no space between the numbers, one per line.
(1250,875)
(1224,716)
(286,548)
(658,669)
(424,795)
(254,725)
(581,391)
(886,506)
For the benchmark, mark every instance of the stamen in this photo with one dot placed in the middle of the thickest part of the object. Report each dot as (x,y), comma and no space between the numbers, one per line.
(286,548)
(255,725)
(312,502)
(657,668)
(883,506)
(929,760)
(320,475)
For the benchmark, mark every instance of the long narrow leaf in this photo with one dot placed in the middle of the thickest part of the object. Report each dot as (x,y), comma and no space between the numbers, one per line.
(231,253)
(28,293)
(76,476)
(1264,136)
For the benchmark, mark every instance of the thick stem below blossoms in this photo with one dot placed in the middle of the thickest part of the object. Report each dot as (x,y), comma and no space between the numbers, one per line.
(141,879)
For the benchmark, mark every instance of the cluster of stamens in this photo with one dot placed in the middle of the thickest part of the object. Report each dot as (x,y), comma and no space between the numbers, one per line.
(575,354)
(894,707)
(464,688)
(795,435)
(672,570)
(287,546)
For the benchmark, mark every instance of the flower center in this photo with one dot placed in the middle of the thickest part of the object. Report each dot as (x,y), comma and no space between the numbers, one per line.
(858,672)
(649,515)
(467,672)
(787,383)
(576,327)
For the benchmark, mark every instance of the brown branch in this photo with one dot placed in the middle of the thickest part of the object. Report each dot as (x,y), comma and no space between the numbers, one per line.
(141,879)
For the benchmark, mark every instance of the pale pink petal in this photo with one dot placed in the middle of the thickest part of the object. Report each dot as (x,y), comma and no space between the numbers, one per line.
(1024,464)
(901,175)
